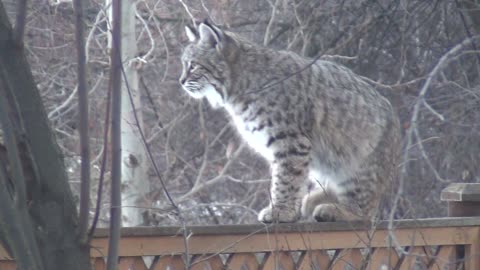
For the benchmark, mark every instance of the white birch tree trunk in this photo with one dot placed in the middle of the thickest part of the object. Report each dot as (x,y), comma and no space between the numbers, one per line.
(135,184)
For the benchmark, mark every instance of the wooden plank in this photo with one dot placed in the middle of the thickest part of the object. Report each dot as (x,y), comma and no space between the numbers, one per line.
(314,259)
(242,261)
(277,261)
(262,242)
(169,262)
(8,265)
(207,262)
(417,258)
(4,254)
(293,227)
(446,258)
(463,209)
(98,264)
(472,254)
(461,192)
(348,259)
(383,257)
(131,263)
(143,241)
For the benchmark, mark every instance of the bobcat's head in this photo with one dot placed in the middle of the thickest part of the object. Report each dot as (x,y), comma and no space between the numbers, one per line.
(206,72)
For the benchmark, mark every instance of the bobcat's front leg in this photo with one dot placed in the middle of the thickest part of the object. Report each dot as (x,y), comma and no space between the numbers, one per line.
(289,173)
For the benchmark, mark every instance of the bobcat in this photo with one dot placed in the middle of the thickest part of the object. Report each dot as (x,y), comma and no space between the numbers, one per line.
(315,120)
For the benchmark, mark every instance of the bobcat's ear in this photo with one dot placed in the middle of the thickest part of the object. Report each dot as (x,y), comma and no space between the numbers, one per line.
(208,35)
(191,33)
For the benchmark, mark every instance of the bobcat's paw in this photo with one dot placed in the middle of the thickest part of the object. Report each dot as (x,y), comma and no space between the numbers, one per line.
(309,202)
(278,214)
(326,213)
(314,198)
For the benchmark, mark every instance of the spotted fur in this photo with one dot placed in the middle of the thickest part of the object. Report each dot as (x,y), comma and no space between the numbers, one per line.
(315,121)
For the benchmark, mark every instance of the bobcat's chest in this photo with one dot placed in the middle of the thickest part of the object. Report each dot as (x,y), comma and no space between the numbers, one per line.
(257,139)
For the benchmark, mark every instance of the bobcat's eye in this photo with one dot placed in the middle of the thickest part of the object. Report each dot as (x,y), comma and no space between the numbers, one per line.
(192,65)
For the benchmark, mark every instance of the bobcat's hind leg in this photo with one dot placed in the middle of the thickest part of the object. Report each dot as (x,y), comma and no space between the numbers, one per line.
(319,195)
(328,212)
(323,206)
(359,203)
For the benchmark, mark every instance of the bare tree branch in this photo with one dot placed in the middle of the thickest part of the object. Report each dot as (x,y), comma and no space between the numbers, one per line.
(116,81)
(467,30)
(20,22)
(103,164)
(271,21)
(83,123)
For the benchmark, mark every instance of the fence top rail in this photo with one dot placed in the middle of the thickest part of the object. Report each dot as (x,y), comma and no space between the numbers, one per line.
(293,227)
(154,241)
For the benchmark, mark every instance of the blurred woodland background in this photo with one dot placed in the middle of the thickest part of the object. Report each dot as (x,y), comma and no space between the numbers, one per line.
(420,54)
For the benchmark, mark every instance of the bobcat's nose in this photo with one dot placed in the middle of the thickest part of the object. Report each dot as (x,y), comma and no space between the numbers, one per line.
(183,80)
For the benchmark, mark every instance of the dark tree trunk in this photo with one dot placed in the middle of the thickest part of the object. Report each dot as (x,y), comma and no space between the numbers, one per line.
(50,208)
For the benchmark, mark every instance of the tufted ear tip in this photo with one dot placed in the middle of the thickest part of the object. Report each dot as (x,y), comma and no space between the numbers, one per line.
(191,33)
(208,34)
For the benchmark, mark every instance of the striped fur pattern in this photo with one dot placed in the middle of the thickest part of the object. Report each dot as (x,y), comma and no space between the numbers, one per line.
(323,123)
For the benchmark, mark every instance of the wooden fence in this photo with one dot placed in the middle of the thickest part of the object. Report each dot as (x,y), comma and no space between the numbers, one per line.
(447,243)
(443,243)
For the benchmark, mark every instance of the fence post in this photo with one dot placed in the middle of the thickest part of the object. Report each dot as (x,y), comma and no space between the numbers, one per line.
(464,201)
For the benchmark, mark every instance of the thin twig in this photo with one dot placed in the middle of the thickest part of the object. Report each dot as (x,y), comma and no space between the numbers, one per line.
(433,111)
(187,9)
(103,164)
(266,37)
(244,181)
(167,52)
(467,30)
(427,158)
(150,37)
(64,104)
(203,131)
(97,23)
(217,178)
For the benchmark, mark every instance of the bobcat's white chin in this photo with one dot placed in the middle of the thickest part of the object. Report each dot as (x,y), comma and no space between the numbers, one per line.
(195,95)
(209,92)
(213,97)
